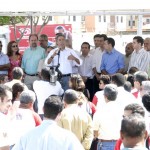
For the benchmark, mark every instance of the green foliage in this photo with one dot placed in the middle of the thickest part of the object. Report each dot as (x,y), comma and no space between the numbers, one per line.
(11,20)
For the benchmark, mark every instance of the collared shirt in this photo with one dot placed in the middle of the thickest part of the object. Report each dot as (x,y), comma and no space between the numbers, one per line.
(65,64)
(86,68)
(31,58)
(112,61)
(43,90)
(79,122)
(3,61)
(48,136)
(126,61)
(140,60)
(97,58)
(124,98)
(108,121)
(12,82)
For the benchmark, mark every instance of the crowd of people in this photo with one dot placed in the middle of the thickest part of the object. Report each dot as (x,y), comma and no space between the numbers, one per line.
(54,97)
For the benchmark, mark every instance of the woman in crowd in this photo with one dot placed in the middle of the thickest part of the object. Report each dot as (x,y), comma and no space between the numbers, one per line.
(76,83)
(99,97)
(14,57)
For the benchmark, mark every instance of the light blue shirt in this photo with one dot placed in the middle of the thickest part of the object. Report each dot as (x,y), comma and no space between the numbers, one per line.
(3,61)
(48,136)
(31,58)
(112,61)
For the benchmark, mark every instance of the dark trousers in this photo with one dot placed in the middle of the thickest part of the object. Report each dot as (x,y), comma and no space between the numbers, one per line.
(95,85)
(89,86)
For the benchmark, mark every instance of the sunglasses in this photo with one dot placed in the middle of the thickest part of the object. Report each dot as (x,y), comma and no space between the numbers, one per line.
(1,45)
(15,46)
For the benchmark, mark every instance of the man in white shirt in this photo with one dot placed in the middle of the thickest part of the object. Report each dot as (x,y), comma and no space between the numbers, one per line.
(5,104)
(85,70)
(44,88)
(123,98)
(17,74)
(139,57)
(64,58)
(107,121)
(49,136)
(97,57)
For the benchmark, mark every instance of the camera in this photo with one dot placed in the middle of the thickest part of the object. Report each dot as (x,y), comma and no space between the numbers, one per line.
(55,74)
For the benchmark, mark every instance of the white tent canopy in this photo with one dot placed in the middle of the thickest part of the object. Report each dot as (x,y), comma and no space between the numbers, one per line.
(73,7)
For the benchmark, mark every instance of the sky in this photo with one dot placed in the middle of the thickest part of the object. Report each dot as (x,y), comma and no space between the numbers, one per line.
(71,5)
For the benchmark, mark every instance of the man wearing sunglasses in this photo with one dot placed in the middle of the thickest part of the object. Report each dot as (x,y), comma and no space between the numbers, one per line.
(4,61)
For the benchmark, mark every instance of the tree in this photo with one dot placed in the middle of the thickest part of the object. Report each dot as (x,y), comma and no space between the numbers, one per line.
(45,20)
(14,20)
(8,20)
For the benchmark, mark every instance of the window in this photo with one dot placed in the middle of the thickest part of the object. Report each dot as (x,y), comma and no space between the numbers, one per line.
(74,18)
(117,19)
(82,18)
(121,19)
(131,23)
(99,18)
(50,18)
(104,18)
(148,21)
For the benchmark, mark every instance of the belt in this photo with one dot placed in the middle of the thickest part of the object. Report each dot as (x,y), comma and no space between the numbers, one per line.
(31,74)
(66,75)
(101,140)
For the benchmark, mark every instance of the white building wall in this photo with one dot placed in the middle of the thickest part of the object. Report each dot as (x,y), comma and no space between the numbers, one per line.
(120,23)
(101,23)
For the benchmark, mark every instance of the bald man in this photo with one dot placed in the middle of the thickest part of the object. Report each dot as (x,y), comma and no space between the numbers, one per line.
(147,44)
(128,51)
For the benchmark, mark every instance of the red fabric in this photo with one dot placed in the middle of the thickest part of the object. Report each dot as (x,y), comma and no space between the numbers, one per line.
(93,108)
(13,64)
(95,100)
(37,118)
(135,94)
(118,144)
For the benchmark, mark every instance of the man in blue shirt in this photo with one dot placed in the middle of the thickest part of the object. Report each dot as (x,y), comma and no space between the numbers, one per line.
(30,60)
(112,60)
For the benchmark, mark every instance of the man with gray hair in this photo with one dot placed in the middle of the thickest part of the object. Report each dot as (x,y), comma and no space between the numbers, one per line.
(17,74)
(109,115)
(145,87)
(27,99)
(74,119)
(139,77)
(24,118)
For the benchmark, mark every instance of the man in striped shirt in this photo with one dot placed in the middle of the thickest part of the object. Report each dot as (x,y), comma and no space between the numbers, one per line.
(139,57)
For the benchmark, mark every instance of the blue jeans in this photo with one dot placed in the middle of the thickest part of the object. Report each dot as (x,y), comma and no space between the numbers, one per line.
(64,81)
(106,145)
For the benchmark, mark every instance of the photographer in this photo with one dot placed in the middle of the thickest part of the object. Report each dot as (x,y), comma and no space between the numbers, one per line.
(46,87)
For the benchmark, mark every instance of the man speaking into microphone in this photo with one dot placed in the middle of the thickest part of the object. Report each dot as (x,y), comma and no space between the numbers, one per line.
(63,57)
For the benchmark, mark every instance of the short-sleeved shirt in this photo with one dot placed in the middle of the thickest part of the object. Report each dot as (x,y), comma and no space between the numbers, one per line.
(3,61)
(31,58)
